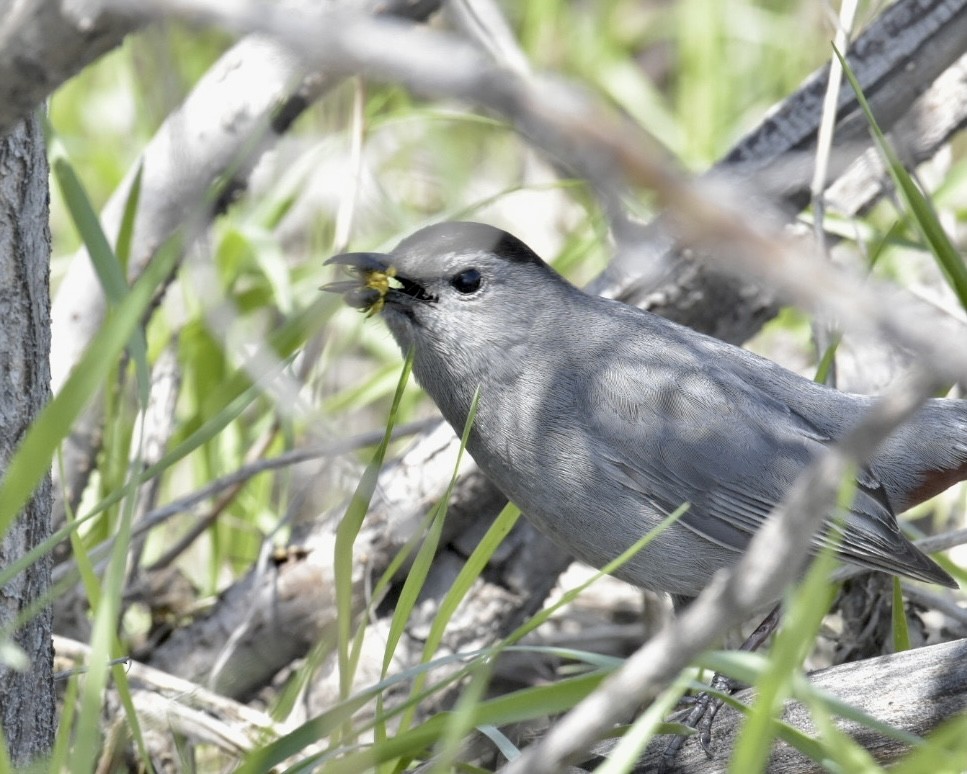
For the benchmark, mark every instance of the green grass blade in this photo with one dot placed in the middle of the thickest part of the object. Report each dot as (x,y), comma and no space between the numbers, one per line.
(88,225)
(413,584)
(235,396)
(32,459)
(122,247)
(120,677)
(327,722)
(461,586)
(105,647)
(900,625)
(749,668)
(948,258)
(471,569)
(462,719)
(571,594)
(62,739)
(293,689)
(5,764)
(511,708)
(346,533)
(205,433)
(807,692)
(538,701)
(944,752)
(838,748)
(469,574)
(803,616)
(106,264)
(92,586)
(625,754)
(827,360)
(500,740)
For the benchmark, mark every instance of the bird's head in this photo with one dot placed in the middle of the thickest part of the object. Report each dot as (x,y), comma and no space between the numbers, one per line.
(461,291)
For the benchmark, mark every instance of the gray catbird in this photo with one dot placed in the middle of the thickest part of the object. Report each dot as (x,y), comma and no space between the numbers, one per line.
(598,419)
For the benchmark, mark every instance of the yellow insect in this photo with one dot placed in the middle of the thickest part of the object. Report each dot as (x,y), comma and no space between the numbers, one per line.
(372,281)
(380,282)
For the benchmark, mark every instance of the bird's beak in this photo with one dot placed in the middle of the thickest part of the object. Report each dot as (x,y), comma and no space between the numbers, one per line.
(371,273)
(362,262)
(375,280)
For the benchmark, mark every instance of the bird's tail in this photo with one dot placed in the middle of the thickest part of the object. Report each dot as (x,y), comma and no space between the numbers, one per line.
(925,456)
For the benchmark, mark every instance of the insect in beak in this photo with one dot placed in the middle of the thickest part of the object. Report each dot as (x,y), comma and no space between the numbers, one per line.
(373,280)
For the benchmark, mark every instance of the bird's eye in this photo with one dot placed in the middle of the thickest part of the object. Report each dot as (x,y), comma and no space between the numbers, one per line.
(467,281)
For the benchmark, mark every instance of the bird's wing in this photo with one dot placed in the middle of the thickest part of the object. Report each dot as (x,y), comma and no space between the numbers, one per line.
(701,436)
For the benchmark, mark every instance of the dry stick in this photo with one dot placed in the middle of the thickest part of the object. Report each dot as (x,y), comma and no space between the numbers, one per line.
(186,707)
(194,167)
(158,422)
(197,529)
(824,333)
(931,120)
(943,541)
(225,499)
(933,600)
(42,45)
(483,21)
(201,142)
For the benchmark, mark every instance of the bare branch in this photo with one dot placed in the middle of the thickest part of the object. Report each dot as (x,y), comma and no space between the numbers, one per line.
(197,162)
(611,152)
(182,707)
(42,44)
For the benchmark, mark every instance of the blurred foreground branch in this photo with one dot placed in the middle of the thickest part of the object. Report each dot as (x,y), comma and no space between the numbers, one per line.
(43,44)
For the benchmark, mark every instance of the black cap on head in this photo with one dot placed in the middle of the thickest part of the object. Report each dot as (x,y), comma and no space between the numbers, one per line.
(467,236)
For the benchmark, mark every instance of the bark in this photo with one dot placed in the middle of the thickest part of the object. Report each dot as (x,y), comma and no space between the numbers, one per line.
(921,689)
(26,695)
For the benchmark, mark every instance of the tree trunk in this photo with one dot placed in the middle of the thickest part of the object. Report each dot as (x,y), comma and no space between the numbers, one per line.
(26,689)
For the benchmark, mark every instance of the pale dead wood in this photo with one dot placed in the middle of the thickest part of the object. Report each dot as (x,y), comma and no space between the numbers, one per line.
(43,44)
(178,706)
(914,691)
(198,162)
(227,111)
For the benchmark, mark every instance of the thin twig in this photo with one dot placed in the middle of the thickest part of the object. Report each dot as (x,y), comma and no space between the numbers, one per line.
(160,515)
(825,333)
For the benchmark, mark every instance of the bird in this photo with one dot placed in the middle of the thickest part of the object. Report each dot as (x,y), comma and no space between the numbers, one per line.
(599,419)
